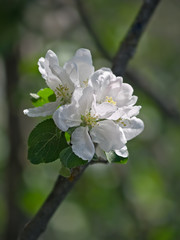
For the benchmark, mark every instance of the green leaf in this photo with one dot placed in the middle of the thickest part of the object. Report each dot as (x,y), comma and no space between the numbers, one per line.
(45,142)
(69,159)
(64,171)
(112,157)
(45,95)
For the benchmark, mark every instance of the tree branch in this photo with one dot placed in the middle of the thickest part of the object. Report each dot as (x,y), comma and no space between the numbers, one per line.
(62,187)
(133,36)
(100,160)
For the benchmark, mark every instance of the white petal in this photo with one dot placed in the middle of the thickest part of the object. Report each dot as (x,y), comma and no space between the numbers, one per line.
(42,68)
(83,60)
(125,112)
(100,81)
(101,77)
(82,144)
(114,88)
(104,110)
(123,152)
(127,89)
(46,66)
(52,58)
(63,77)
(85,101)
(46,110)
(80,67)
(85,72)
(83,55)
(134,127)
(70,115)
(132,111)
(72,71)
(117,114)
(132,100)
(67,116)
(124,97)
(108,135)
(100,153)
(106,84)
(77,94)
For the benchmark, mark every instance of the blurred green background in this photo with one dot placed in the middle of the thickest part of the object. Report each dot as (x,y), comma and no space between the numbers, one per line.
(139,200)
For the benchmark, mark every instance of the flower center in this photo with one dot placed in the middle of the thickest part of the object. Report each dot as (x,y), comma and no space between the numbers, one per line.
(121,121)
(85,82)
(88,120)
(110,100)
(62,92)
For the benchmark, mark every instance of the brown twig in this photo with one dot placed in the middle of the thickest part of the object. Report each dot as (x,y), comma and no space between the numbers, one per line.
(62,187)
(100,160)
(130,42)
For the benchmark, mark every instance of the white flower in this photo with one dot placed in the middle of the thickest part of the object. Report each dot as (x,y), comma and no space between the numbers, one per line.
(98,104)
(62,80)
(104,114)
(92,124)
(109,88)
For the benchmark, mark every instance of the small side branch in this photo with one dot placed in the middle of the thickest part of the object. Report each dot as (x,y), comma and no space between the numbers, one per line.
(132,38)
(62,187)
(100,160)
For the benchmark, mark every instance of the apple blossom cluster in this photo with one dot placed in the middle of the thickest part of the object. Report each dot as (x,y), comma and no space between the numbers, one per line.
(96,105)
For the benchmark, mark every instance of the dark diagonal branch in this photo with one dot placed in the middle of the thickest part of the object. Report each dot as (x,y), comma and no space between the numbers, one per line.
(132,38)
(62,187)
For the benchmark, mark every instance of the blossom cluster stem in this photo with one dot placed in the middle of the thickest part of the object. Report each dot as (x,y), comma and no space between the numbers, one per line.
(62,187)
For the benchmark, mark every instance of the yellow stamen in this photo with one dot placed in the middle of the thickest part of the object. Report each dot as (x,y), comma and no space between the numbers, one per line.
(89,120)
(121,121)
(110,100)
(63,93)
(85,83)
